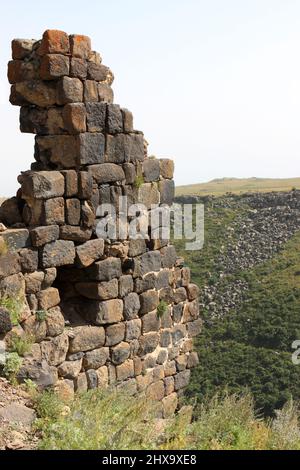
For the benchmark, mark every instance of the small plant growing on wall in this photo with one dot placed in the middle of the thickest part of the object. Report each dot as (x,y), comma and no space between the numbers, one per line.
(161,309)
(139,181)
(41,315)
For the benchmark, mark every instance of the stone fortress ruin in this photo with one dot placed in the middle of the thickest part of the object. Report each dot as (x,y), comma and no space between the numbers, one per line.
(99,312)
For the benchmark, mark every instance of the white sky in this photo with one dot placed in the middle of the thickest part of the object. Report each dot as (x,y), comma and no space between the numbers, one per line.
(215,84)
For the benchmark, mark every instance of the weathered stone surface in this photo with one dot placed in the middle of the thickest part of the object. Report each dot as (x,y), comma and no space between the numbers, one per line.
(78,68)
(34,92)
(149,300)
(167,192)
(15,239)
(150,322)
(69,90)
(180,295)
(70,369)
(130,173)
(167,295)
(10,213)
(9,264)
(166,168)
(73,211)
(193,291)
(29,260)
(194,328)
(105,92)
(169,385)
(182,379)
(120,353)
(87,338)
(54,211)
(137,247)
(106,172)
(97,72)
(42,235)
(92,379)
(127,120)
(35,329)
(42,185)
(156,391)
(89,252)
(106,312)
(131,306)
(19,71)
(162,356)
(170,368)
(54,66)
(58,253)
(55,322)
(80,383)
(74,117)
(80,46)
(87,214)
(114,119)
(71,182)
(90,91)
(168,256)
(181,362)
(48,298)
(96,358)
(191,311)
(147,283)
(115,334)
(61,150)
(5,321)
(91,149)
(133,329)
(22,48)
(125,370)
(105,270)
(148,195)
(193,360)
(75,233)
(54,42)
(170,404)
(177,313)
(178,333)
(148,343)
(125,286)
(103,377)
(165,338)
(96,116)
(146,263)
(151,170)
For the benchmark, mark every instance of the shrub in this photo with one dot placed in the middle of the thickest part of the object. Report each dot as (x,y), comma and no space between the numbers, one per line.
(12,366)
(20,344)
(14,305)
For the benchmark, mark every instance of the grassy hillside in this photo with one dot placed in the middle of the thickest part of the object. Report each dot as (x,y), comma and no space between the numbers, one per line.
(221,186)
(251,347)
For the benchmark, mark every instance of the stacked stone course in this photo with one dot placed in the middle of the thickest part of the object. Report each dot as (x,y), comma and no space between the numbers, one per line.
(115,312)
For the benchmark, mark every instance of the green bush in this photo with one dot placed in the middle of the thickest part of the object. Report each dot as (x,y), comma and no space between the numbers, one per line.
(12,366)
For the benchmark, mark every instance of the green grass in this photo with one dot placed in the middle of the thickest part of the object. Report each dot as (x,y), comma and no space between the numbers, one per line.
(221,186)
(14,305)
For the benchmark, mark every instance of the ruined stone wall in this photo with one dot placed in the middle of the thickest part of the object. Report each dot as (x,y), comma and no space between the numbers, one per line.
(100,312)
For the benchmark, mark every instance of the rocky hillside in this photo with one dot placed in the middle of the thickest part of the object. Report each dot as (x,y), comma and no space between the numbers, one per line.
(248,273)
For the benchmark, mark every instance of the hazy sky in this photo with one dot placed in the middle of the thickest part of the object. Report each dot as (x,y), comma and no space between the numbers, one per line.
(215,84)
